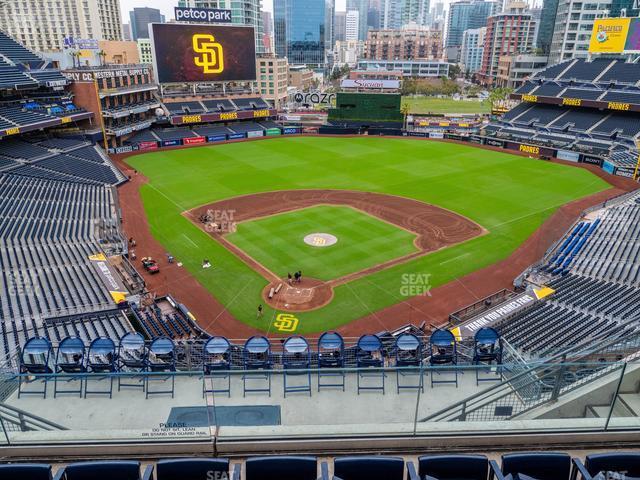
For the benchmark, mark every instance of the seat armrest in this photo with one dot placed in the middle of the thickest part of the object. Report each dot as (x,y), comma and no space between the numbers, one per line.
(495,471)
(59,474)
(579,467)
(235,474)
(148,472)
(411,471)
(324,471)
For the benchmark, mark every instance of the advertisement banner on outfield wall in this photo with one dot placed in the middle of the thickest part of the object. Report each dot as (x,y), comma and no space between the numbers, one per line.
(147,145)
(609,167)
(273,131)
(494,143)
(625,171)
(194,140)
(291,130)
(170,143)
(475,139)
(436,134)
(216,138)
(592,160)
(533,150)
(235,136)
(255,134)
(417,134)
(568,156)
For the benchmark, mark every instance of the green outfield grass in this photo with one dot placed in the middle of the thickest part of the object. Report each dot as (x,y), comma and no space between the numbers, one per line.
(508,195)
(363,241)
(425,105)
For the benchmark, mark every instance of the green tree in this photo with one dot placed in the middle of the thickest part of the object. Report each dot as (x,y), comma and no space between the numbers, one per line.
(404,109)
(498,95)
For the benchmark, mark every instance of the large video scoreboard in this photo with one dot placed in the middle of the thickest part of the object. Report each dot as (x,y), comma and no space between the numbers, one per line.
(191,53)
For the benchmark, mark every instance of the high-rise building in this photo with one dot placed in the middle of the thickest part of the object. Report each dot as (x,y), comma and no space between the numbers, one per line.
(340,27)
(472,49)
(547,22)
(405,44)
(40,27)
(144,51)
(303,30)
(140,19)
(273,79)
(362,7)
(467,15)
(624,8)
(126,32)
(508,33)
(352,25)
(397,13)
(247,12)
(267,28)
(572,28)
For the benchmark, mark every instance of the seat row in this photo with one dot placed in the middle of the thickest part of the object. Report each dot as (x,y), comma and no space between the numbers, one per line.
(515,466)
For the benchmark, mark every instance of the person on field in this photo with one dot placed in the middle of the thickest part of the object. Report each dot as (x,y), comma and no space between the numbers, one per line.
(299,276)
(296,277)
(260,313)
(289,278)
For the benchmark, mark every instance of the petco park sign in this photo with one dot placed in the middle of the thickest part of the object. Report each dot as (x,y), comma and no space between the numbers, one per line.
(202,15)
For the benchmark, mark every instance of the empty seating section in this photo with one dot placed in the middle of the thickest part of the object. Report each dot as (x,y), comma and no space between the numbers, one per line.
(595,273)
(216,105)
(11,77)
(516,111)
(109,323)
(179,108)
(625,124)
(48,230)
(221,105)
(21,149)
(143,136)
(61,143)
(539,115)
(16,52)
(579,120)
(86,170)
(624,97)
(582,70)
(549,89)
(20,116)
(526,87)
(47,75)
(173,133)
(244,127)
(582,93)
(207,130)
(621,73)
(156,323)
(613,251)
(250,103)
(553,71)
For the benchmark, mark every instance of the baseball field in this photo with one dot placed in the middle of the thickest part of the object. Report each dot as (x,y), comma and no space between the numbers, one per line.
(406,216)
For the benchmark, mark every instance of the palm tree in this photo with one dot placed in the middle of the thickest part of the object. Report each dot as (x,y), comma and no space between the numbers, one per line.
(404,109)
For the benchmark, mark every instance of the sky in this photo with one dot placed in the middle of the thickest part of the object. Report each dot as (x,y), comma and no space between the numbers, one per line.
(166,6)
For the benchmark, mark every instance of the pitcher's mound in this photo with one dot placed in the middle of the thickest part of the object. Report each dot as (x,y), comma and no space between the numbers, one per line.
(307,295)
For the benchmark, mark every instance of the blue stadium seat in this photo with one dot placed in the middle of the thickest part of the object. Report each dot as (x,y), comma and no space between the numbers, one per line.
(623,465)
(450,467)
(26,471)
(538,466)
(281,467)
(105,470)
(369,467)
(195,469)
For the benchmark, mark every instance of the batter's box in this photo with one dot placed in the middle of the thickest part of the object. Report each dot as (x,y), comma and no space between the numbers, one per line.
(297,295)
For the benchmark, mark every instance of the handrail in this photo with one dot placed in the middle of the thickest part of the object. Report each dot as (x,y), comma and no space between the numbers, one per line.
(25,420)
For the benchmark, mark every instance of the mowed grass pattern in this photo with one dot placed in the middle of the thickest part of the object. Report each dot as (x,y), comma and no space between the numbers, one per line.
(508,195)
(277,242)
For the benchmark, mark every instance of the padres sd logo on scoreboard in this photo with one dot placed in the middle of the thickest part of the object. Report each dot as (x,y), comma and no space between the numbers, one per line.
(211,57)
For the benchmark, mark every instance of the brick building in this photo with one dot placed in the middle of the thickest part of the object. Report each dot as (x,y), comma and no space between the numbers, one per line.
(408,43)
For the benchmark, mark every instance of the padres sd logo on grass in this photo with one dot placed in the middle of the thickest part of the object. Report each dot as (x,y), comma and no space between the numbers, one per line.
(285,322)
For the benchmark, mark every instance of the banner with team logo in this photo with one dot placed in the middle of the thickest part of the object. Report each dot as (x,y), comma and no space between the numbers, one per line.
(202,53)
